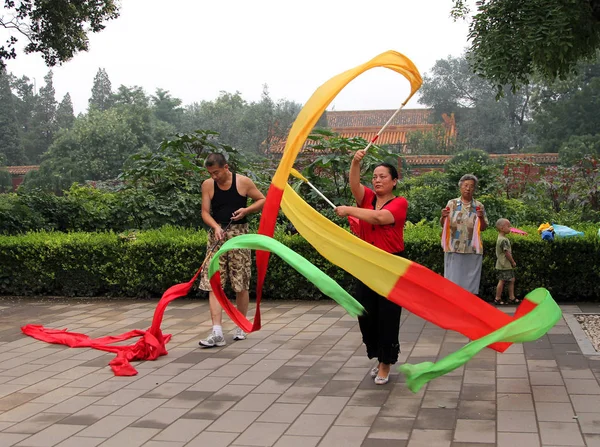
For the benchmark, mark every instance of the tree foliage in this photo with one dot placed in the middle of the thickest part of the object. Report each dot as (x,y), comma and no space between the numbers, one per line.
(10,145)
(43,122)
(55,28)
(513,40)
(568,108)
(102,95)
(64,113)
(496,126)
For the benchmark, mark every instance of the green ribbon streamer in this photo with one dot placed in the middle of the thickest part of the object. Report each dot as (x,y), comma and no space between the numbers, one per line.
(528,327)
(322,281)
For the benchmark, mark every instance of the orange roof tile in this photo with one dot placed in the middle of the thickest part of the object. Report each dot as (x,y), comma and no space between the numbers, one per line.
(439,160)
(386,137)
(20,170)
(364,118)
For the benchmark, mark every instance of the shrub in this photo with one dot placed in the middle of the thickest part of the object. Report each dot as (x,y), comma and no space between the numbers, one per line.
(145,264)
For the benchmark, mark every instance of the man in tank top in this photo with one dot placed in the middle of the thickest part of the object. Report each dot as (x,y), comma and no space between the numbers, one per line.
(224,200)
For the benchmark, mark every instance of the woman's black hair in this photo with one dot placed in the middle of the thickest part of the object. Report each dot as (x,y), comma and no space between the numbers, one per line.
(391,168)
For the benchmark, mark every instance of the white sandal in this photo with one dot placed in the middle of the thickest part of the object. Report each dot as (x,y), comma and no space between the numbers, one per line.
(382,380)
(374,372)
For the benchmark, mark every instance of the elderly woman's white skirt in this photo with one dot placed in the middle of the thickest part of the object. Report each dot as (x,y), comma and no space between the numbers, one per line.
(464,270)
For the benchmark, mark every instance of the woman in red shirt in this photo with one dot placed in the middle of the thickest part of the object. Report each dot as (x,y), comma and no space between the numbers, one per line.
(382,216)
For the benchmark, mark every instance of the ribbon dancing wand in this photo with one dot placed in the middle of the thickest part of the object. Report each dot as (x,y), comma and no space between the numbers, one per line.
(305,180)
(376,137)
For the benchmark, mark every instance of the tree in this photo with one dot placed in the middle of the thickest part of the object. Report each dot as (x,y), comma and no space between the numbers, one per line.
(43,122)
(9,129)
(478,163)
(132,96)
(93,149)
(25,99)
(167,108)
(513,40)
(496,126)
(251,127)
(64,113)
(55,28)
(102,95)
(568,108)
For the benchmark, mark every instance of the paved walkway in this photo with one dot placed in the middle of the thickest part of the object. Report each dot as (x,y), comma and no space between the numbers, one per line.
(301,381)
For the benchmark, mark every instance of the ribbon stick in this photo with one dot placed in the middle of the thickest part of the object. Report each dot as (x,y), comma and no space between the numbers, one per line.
(376,137)
(305,180)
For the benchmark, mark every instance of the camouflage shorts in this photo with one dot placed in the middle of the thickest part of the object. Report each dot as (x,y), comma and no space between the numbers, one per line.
(233,265)
(506,275)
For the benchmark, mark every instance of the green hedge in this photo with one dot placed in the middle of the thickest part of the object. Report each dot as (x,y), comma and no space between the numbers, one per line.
(145,264)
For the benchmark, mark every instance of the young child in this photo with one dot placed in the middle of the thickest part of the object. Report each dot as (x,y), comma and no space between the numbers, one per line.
(505,263)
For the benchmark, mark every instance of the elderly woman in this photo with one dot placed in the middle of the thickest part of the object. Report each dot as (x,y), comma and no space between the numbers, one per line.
(382,216)
(462,259)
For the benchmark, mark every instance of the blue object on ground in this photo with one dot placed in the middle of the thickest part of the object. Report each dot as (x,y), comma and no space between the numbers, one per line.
(563,231)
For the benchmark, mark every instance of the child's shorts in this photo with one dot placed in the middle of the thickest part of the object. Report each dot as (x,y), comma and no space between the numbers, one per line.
(506,275)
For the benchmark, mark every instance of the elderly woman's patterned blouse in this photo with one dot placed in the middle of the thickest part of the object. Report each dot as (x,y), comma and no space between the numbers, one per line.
(462,221)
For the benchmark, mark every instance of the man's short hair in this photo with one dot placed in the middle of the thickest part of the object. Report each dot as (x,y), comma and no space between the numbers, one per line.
(215,159)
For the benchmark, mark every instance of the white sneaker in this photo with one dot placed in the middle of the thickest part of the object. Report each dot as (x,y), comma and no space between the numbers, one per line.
(213,340)
(239,335)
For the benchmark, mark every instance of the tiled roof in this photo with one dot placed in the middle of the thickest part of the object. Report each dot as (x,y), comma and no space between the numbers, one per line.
(21,170)
(439,160)
(366,124)
(365,118)
(386,137)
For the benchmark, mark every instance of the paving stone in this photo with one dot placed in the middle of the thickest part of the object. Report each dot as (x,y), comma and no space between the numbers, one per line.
(472,409)
(390,428)
(517,421)
(131,437)
(513,386)
(8,439)
(282,413)
(583,403)
(542,365)
(345,436)
(561,433)
(36,423)
(436,419)
(401,407)
(477,392)
(475,431)
(592,440)
(89,415)
(480,377)
(311,425)
(582,386)
(515,402)
(512,372)
(554,411)
(430,438)
(107,426)
(261,434)
(23,412)
(160,418)
(549,393)
(80,441)
(440,399)
(518,439)
(297,441)
(370,397)
(326,405)
(577,373)
(589,422)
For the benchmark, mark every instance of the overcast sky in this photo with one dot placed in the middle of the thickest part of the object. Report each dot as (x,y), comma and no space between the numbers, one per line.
(195,49)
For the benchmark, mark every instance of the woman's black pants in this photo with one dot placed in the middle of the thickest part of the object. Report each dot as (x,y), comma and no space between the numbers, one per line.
(379,325)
